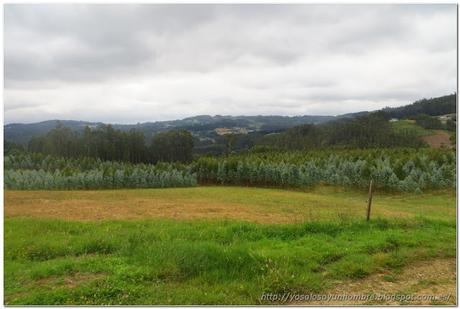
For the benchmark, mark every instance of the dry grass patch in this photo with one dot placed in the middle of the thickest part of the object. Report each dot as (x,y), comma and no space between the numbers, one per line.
(90,210)
(232,203)
(69,281)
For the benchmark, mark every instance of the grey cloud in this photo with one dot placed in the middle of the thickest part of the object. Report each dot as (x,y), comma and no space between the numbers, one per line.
(87,58)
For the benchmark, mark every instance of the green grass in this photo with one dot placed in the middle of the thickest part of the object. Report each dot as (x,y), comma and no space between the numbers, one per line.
(57,262)
(408,126)
(218,261)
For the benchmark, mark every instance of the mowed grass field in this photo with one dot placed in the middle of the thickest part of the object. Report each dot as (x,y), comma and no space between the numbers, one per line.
(221,245)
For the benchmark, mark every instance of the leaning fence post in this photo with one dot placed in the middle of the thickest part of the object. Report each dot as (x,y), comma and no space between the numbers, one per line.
(369,201)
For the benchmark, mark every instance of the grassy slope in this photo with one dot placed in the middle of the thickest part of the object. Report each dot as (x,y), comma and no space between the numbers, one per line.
(407,125)
(434,138)
(218,262)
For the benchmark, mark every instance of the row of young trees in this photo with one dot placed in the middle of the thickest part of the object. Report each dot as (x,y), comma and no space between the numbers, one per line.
(26,172)
(400,170)
(391,169)
(38,161)
(97,179)
(109,144)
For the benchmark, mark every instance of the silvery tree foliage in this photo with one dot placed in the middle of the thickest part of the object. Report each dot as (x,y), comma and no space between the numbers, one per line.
(407,170)
(411,170)
(28,172)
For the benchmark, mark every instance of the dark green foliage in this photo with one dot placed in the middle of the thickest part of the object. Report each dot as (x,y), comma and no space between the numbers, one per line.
(370,131)
(103,142)
(230,140)
(172,146)
(450,125)
(433,107)
(428,122)
(453,139)
(200,125)
(109,144)
(12,148)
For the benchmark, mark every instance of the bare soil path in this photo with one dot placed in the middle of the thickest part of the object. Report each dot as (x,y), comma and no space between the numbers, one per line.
(427,278)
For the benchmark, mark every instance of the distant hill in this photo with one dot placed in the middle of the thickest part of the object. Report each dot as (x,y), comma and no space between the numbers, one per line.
(201,126)
(21,133)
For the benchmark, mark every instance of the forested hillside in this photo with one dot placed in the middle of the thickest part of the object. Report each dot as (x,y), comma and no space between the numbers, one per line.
(433,107)
(370,131)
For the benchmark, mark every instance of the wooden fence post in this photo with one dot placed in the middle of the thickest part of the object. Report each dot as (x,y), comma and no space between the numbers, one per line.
(369,201)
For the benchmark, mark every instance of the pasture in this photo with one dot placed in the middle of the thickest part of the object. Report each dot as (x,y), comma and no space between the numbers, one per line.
(220,245)
(410,125)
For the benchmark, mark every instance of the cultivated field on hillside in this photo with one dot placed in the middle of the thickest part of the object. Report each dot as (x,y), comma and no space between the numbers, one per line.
(433,138)
(440,139)
(220,245)
(406,125)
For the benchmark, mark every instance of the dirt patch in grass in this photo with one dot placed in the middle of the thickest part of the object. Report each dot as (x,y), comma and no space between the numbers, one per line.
(69,281)
(55,282)
(435,277)
(438,140)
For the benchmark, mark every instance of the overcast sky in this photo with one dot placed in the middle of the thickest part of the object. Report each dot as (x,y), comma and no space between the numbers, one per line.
(136,63)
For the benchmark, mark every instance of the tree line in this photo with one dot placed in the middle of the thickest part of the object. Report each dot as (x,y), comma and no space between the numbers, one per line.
(31,171)
(108,144)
